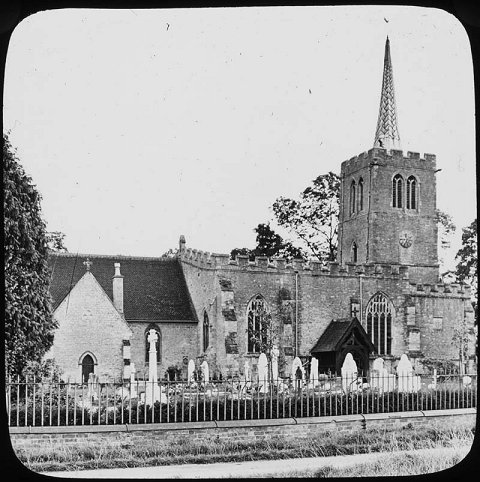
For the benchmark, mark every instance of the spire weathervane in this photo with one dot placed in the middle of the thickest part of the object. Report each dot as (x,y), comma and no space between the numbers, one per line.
(387,135)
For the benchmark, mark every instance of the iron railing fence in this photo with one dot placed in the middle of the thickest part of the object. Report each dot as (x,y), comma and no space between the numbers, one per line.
(33,402)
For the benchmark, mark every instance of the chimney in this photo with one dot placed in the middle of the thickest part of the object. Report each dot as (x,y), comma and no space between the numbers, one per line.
(118,289)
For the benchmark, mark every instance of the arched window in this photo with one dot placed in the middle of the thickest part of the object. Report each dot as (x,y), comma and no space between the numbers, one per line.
(360,195)
(411,193)
(158,343)
(206,331)
(354,252)
(88,366)
(379,323)
(256,316)
(397,191)
(352,198)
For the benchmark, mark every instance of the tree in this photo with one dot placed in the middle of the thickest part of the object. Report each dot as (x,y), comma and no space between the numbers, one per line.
(29,323)
(446,228)
(55,241)
(313,217)
(269,244)
(467,256)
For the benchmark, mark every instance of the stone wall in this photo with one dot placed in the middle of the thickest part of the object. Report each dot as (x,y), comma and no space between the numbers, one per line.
(26,438)
(89,323)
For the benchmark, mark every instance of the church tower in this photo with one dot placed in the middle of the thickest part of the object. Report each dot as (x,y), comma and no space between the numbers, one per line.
(388,199)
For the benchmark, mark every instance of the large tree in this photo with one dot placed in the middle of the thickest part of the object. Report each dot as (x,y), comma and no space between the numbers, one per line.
(270,244)
(467,256)
(29,323)
(313,217)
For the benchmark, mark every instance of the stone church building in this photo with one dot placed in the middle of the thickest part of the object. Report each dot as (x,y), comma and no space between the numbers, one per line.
(383,296)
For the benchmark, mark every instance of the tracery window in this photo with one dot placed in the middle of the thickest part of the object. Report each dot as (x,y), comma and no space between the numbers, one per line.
(352,198)
(158,343)
(206,331)
(397,191)
(360,195)
(256,315)
(411,193)
(379,323)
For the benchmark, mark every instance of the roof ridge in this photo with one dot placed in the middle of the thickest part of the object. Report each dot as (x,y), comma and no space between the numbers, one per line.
(105,256)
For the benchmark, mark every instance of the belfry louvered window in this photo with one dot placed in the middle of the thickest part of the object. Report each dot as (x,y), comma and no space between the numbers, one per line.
(397,191)
(360,195)
(411,193)
(352,198)
(379,323)
(256,314)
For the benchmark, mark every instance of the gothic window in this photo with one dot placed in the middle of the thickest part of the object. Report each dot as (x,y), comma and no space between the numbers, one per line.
(360,194)
(88,366)
(158,343)
(206,331)
(379,323)
(256,313)
(411,193)
(352,198)
(397,191)
(354,252)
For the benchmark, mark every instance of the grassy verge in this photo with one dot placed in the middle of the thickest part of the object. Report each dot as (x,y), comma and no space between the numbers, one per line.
(53,457)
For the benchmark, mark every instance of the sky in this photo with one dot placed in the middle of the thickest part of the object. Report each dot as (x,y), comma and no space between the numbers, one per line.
(138,126)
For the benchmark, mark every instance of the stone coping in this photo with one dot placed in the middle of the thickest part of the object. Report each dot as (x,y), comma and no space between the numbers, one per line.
(239,423)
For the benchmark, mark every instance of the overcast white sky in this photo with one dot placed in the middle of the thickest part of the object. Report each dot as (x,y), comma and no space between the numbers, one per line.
(141,125)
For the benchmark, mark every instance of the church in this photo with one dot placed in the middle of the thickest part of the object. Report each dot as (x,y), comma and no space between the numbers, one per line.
(382,297)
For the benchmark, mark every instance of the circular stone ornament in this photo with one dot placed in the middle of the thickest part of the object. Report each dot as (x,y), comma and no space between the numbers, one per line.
(405,239)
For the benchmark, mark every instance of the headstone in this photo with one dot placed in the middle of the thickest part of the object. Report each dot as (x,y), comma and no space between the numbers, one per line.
(133,387)
(190,371)
(380,379)
(205,371)
(314,372)
(263,372)
(349,374)
(246,371)
(407,380)
(275,355)
(298,372)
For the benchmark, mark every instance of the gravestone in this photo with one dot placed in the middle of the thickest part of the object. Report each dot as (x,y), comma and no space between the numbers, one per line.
(263,372)
(380,379)
(349,374)
(407,381)
(314,372)
(190,372)
(133,387)
(275,355)
(205,371)
(298,372)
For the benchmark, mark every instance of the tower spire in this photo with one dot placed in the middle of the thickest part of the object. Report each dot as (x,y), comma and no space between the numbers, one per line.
(387,135)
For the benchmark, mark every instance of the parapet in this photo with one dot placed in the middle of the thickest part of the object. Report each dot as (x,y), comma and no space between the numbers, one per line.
(453,290)
(377,154)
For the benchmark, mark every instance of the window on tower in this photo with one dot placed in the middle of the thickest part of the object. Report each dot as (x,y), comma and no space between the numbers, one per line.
(397,191)
(411,193)
(206,331)
(360,195)
(354,252)
(257,312)
(352,198)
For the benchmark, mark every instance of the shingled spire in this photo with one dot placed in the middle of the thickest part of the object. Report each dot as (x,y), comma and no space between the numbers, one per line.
(387,135)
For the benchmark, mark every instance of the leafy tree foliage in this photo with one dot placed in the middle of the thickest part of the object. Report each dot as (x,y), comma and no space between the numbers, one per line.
(29,323)
(269,244)
(55,241)
(313,217)
(467,256)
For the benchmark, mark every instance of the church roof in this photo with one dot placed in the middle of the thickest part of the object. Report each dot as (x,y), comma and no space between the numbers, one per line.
(154,288)
(336,332)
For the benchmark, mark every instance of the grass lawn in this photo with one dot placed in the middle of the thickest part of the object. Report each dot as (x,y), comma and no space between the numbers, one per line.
(54,457)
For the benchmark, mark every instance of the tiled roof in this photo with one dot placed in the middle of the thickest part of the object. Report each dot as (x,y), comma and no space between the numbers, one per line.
(154,288)
(336,332)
